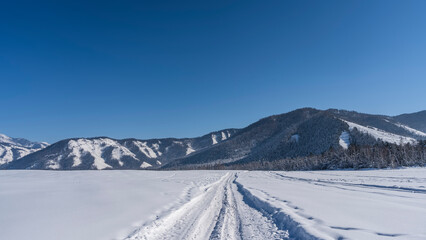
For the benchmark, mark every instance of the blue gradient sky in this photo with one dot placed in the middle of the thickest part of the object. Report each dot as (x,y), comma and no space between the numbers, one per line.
(148,69)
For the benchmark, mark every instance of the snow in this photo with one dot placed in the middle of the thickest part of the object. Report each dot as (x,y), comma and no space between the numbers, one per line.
(119,152)
(213,214)
(133,205)
(344,140)
(156,146)
(223,136)
(412,130)
(88,205)
(143,147)
(96,147)
(11,149)
(52,164)
(145,165)
(407,128)
(5,139)
(75,153)
(17,142)
(189,149)
(380,134)
(214,140)
(294,138)
(7,154)
(376,204)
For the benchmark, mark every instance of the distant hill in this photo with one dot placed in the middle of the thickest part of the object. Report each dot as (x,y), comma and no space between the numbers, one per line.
(416,120)
(304,132)
(107,153)
(15,148)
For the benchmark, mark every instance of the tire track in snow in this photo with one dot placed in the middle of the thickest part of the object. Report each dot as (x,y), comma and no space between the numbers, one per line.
(358,185)
(228,224)
(219,212)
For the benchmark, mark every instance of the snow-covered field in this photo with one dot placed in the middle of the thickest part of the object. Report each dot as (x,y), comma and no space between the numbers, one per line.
(369,204)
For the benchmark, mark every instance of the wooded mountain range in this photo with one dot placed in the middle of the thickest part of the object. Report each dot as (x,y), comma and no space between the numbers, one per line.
(300,133)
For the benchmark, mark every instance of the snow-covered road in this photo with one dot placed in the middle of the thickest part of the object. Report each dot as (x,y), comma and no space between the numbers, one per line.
(131,205)
(219,212)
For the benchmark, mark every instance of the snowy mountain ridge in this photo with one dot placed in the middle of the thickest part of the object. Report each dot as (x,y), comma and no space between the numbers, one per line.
(107,153)
(15,148)
(299,133)
(304,132)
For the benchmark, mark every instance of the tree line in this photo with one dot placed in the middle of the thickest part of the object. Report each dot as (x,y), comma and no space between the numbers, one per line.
(379,155)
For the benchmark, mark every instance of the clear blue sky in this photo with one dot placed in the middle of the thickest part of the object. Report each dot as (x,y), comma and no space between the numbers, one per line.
(148,69)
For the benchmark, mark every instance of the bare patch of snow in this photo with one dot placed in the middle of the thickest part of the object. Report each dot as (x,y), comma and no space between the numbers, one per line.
(223,136)
(145,165)
(294,138)
(143,147)
(95,148)
(189,149)
(214,140)
(380,134)
(6,154)
(412,130)
(52,164)
(344,140)
(156,146)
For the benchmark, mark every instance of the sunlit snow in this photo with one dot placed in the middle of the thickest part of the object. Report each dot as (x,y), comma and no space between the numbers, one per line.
(380,134)
(344,140)
(368,204)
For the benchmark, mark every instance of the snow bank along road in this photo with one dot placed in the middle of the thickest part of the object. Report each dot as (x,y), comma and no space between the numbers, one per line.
(131,205)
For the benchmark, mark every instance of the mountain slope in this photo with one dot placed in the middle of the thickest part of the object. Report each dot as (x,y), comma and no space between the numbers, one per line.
(107,153)
(15,148)
(303,132)
(415,120)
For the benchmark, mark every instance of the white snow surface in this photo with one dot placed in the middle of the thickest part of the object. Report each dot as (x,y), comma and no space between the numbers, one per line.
(412,130)
(214,140)
(344,140)
(6,154)
(224,137)
(380,134)
(368,204)
(189,149)
(145,165)
(5,139)
(407,128)
(148,151)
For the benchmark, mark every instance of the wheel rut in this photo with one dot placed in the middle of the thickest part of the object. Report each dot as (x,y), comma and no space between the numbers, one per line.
(220,211)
